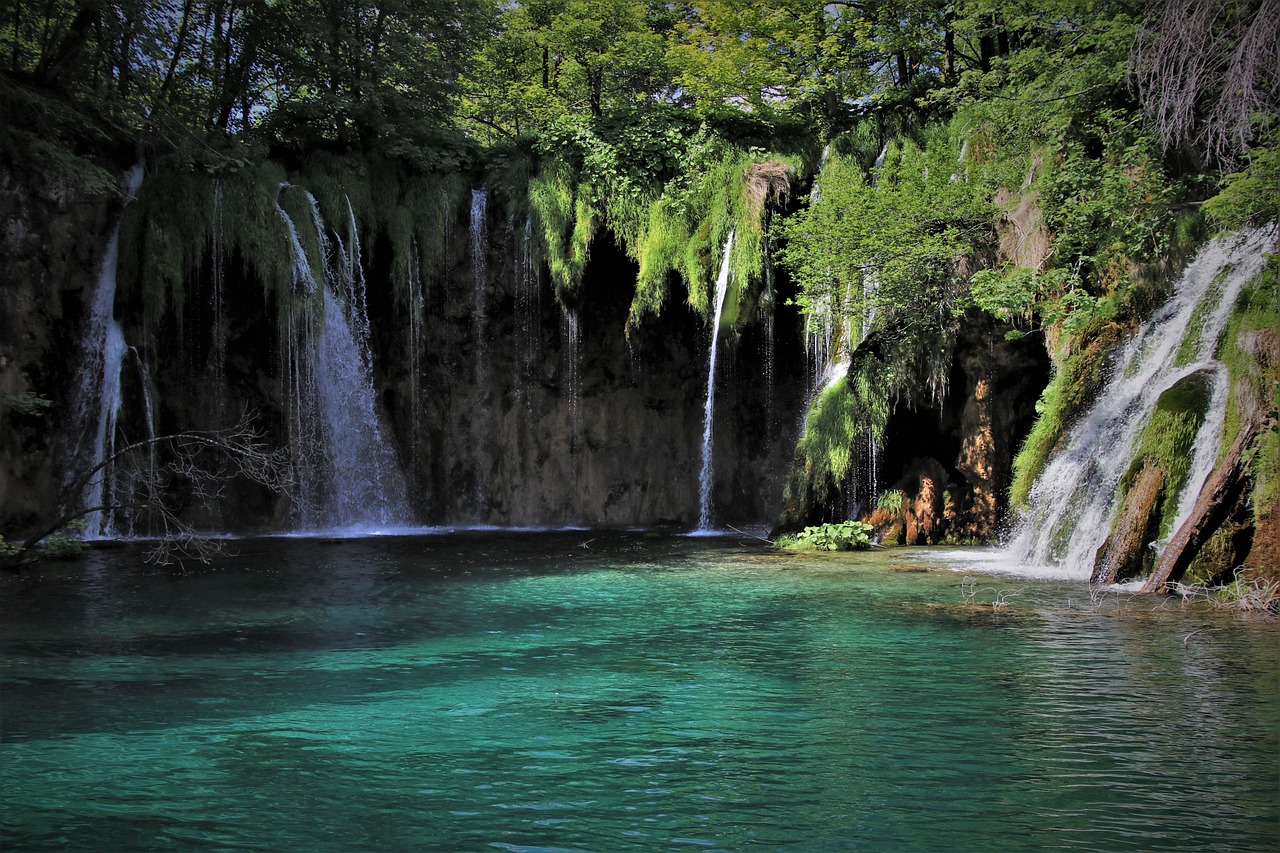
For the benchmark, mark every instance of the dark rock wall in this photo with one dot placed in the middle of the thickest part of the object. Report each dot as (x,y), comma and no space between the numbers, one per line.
(51,242)
(524,434)
(515,441)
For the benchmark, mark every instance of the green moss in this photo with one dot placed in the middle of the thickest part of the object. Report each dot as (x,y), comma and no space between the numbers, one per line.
(1251,351)
(840,418)
(1079,373)
(566,220)
(1168,438)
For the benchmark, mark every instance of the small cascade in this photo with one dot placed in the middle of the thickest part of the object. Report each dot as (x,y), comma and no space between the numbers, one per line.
(768,307)
(479,273)
(479,232)
(417,311)
(96,407)
(1074,499)
(571,355)
(819,331)
(217,368)
(348,474)
(528,299)
(705,476)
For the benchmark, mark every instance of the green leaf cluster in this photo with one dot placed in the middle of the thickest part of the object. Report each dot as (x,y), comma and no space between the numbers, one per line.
(839,536)
(890,243)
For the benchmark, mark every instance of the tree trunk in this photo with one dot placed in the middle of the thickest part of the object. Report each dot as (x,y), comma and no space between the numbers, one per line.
(1212,505)
(1121,556)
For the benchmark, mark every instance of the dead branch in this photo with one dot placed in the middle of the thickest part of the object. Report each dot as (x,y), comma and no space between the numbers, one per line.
(203,461)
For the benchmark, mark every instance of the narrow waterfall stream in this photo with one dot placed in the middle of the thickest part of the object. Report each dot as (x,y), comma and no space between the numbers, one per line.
(97,389)
(1075,498)
(479,234)
(706,475)
(349,476)
(571,384)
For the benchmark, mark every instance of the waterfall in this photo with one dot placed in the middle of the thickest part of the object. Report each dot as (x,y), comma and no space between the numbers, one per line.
(479,272)
(96,406)
(1074,499)
(480,413)
(768,308)
(417,310)
(349,477)
(708,421)
(528,299)
(571,357)
(217,366)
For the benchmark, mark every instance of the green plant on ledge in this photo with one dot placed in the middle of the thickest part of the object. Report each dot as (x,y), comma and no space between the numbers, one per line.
(844,536)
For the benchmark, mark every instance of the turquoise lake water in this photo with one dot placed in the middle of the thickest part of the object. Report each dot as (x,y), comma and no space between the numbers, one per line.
(522,692)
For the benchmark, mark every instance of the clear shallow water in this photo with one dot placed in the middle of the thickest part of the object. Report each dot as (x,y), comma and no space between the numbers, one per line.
(520,692)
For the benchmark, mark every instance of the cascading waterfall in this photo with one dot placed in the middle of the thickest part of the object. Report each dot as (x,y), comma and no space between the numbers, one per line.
(97,404)
(479,273)
(349,477)
(768,307)
(1074,500)
(706,475)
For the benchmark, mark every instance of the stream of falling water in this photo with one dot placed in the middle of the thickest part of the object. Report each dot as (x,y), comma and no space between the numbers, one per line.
(571,356)
(479,233)
(1075,498)
(97,403)
(707,475)
(349,477)
(417,312)
(217,367)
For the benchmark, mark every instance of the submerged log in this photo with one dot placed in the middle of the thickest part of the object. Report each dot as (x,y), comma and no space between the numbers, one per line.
(1212,505)
(1121,556)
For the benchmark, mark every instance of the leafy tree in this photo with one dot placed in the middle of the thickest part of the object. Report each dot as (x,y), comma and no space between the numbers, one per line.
(887,244)
(558,57)
(361,72)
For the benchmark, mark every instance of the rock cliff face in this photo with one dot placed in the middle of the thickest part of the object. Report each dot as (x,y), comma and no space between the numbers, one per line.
(952,460)
(51,249)
(503,407)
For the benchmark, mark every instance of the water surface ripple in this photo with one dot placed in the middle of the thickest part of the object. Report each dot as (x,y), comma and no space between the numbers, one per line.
(526,693)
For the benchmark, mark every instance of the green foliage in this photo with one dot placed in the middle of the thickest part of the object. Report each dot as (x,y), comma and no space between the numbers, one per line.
(889,242)
(892,502)
(669,191)
(1251,196)
(65,544)
(1120,200)
(841,536)
(1251,350)
(566,220)
(1079,371)
(45,139)
(25,403)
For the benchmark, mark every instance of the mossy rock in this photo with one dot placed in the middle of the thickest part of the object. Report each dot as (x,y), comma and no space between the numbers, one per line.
(1168,438)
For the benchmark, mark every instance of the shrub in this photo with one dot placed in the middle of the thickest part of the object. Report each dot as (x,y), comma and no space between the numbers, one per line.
(843,536)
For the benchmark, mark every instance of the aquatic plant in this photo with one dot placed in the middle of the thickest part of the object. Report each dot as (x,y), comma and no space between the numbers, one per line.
(840,536)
